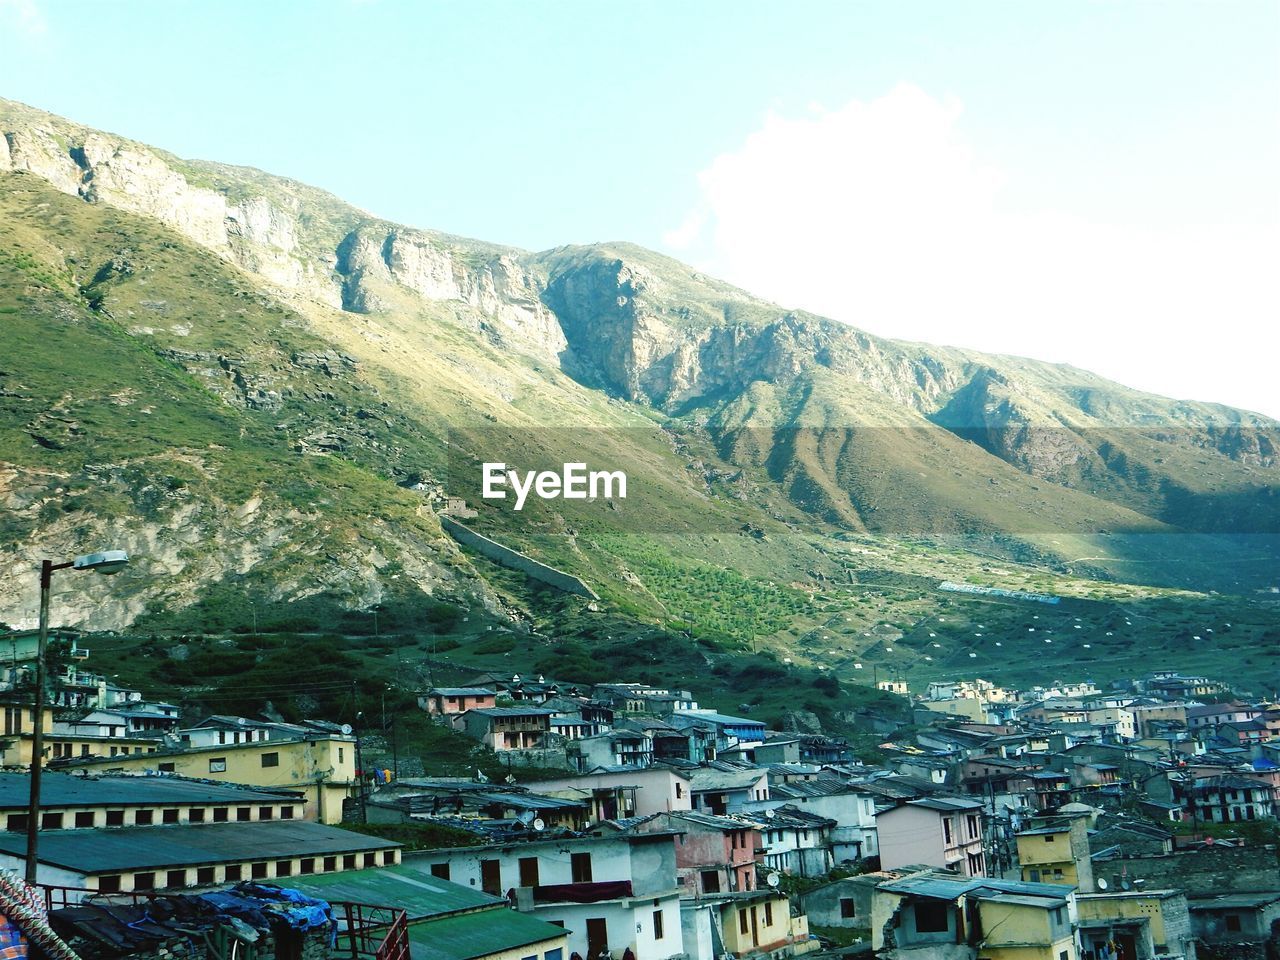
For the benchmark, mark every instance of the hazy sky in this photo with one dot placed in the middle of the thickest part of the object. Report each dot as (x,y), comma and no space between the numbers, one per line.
(1092,183)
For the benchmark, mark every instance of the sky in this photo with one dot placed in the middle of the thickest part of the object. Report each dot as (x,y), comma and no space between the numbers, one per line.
(1086,183)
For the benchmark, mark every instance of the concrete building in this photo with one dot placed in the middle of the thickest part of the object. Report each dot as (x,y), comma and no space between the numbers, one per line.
(507,728)
(727,791)
(928,916)
(612,794)
(1143,924)
(444,701)
(187,855)
(616,892)
(740,925)
(714,855)
(322,767)
(936,831)
(1057,852)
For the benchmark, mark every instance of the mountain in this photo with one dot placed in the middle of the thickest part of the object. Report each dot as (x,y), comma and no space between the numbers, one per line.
(260,389)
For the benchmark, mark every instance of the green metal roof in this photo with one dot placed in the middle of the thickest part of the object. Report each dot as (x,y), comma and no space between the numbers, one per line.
(471,935)
(411,888)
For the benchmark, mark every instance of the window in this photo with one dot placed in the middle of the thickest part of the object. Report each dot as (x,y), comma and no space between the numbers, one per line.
(1062,955)
(284,868)
(768,913)
(341,754)
(1048,838)
(170,768)
(580,864)
(440,870)
(330,863)
(175,878)
(710,881)
(266,813)
(1232,922)
(84,818)
(84,749)
(144,881)
(271,759)
(348,861)
(196,815)
(307,865)
(848,909)
(221,814)
(244,814)
(169,816)
(370,859)
(973,827)
(556,954)
(946,830)
(742,921)
(258,871)
(389,857)
(286,813)
(931,916)
(217,764)
(16,822)
(205,875)
(115,818)
(109,883)
(657,924)
(233,874)
(679,790)
(144,818)
(528,871)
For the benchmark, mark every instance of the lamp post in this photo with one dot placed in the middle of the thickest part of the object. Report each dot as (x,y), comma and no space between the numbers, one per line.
(109,561)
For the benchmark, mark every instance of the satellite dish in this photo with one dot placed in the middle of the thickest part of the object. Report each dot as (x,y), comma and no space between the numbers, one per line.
(526,817)
(1125,884)
(769,814)
(1102,884)
(539,824)
(346,729)
(773,880)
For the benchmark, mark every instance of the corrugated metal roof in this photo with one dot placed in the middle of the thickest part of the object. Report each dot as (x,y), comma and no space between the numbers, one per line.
(472,935)
(140,848)
(64,790)
(408,886)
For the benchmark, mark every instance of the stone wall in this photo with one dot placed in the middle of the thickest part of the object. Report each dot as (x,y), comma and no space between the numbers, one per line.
(515,560)
(1210,870)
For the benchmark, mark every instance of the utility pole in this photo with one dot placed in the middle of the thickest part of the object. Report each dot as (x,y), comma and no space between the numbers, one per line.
(360,772)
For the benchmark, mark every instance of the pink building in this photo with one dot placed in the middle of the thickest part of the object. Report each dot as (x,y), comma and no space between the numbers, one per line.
(937,831)
(450,700)
(714,855)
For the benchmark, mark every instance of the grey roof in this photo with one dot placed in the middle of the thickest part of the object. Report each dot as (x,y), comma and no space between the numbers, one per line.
(511,711)
(142,848)
(463,691)
(1234,901)
(946,803)
(719,719)
(707,779)
(985,888)
(64,790)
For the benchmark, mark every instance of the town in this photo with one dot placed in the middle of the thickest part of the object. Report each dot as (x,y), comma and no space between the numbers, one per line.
(1064,822)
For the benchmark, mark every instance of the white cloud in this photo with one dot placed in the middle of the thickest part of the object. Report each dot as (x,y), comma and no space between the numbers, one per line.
(882,214)
(23,17)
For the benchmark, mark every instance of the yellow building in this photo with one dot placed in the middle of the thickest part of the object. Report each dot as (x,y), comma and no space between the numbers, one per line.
(1057,853)
(760,922)
(933,914)
(322,767)
(1141,923)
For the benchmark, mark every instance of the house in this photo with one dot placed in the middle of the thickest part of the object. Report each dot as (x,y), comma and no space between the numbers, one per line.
(443,701)
(937,831)
(1230,798)
(846,903)
(1209,716)
(193,854)
(19,737)
(1143,924)
(1057,851)
(927,915)
(729,730)
(1238,918)
(713,854)
(507,728)
(612,793)
(321,766)
(615,892)
(724,790)
(445,921)
(615,748)
(851,808)
(639,698)
(126,721)
(797,842)
(739,925)
(83,803)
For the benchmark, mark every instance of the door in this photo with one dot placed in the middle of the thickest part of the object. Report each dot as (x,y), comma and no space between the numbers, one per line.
(580,865)
(491,877)
(597,937)
(528,871)
(755,926)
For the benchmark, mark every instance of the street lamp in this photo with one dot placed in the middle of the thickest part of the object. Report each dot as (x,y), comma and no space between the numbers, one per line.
(107,562)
